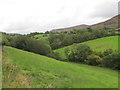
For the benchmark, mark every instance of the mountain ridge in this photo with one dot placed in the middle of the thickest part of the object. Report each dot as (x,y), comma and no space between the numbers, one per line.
(111,23)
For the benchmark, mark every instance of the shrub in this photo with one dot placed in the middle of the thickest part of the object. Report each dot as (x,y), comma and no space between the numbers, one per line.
(107,52)
(6,40)
(79,53)
(55,55)
(32,45)
(112,61)
(93,59)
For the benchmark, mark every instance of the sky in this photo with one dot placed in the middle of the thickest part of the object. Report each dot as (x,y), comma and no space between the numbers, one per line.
(25,16)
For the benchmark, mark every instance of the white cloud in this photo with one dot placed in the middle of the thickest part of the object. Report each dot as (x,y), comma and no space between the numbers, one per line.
(24,16)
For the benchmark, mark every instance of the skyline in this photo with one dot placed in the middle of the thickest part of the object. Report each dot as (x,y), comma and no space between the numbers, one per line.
(25,16)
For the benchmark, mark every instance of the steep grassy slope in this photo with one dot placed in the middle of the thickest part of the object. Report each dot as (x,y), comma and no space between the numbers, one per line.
(100,44)
(25,69)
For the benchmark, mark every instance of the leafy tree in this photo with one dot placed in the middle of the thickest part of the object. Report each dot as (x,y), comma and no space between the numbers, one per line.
(47,32)
(112,61)
(79,53)
(33,34)
(89,29)
(32,45)
(6,40)
(67,40)
(56,44)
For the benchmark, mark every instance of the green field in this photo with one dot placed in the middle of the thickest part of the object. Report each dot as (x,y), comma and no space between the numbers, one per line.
(25,69)
(100,44)
(42,36)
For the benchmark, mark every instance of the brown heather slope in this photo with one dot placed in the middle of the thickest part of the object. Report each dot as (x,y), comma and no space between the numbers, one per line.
(108,24)
(71,28)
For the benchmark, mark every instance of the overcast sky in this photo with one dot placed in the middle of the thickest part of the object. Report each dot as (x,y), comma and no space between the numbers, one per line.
(25,16)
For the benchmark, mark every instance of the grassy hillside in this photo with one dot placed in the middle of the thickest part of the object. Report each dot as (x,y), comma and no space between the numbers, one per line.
(100,44)
(25,69)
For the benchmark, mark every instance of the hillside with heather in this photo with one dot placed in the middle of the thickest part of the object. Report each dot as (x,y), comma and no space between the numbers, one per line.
(109,24)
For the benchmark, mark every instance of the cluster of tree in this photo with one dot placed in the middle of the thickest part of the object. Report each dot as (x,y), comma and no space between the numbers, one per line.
(83,54)
(80,53)
(6,39)
(28,44)
(33,34)
(58,40)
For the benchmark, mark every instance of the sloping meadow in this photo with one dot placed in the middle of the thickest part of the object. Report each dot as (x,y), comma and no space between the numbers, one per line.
(25,69)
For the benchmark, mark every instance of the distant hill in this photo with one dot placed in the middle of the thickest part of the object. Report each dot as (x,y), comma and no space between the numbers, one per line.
(71,28)
(108,24)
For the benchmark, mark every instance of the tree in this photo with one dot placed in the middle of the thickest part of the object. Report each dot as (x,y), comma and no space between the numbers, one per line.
(89,29)
(47,32)
(33,34)
(79,53)
(29,44)
(6,40)
(21,42)
(67,40)
(112,61)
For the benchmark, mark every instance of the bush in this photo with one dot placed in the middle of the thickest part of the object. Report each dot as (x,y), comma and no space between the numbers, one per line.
(55,55)
(93,60)
(28,44)
(6,40)
(79,53)
(112,61)
(107,52)
(40,48)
